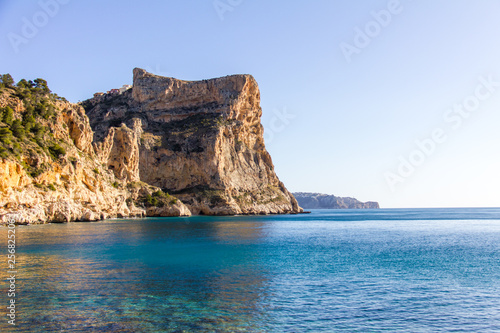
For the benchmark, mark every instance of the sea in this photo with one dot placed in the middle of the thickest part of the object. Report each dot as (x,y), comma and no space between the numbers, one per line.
(385,270)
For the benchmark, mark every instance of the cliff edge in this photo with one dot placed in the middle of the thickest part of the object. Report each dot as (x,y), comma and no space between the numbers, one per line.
(201,141)
(162,147)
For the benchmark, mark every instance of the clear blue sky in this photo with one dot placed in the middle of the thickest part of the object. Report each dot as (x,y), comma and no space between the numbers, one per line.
(345,120)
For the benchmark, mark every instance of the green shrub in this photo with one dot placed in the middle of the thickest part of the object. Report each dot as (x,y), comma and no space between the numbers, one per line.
(16,149)
(38,170)
(159,194)
(158,199)
(38,130)
(44,110)
(51,187)
(7,115)
(28,122)
(4,153)
(5,135)
(18,129)
(41,144)
(51,112)
(25,165)
(153,201)
(56,151)
(30,110)
(150,201)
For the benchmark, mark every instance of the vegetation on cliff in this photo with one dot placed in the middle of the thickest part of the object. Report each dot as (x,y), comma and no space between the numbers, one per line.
(27,132)
(49,171)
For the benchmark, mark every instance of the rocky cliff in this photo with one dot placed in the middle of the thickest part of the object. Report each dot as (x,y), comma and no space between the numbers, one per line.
(165,147)
(325,201)
(48,171)
(201,141)
(49,168)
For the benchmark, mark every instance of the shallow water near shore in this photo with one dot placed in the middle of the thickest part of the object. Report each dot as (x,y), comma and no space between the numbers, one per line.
(401,270)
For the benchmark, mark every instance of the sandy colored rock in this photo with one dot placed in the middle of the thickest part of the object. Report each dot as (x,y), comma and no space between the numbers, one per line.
(199,140)
(120,151)
(166,147)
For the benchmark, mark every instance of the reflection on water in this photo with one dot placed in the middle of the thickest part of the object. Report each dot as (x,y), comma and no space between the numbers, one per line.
(326,271)
(237,232)
(126,275)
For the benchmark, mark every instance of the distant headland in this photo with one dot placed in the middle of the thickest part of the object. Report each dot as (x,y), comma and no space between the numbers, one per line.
(326,201)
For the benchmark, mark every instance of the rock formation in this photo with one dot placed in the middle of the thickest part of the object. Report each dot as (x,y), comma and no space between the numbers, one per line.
(50,171)
(325,201)
(201,141)
(166,147)
(73,186)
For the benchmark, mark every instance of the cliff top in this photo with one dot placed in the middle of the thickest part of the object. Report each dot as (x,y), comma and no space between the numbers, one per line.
(142,73)
(164,93)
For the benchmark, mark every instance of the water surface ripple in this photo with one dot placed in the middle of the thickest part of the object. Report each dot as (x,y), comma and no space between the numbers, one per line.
(418,270)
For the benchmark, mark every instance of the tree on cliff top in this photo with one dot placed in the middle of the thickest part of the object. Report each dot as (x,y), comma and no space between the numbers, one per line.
(41,85)
(6,80)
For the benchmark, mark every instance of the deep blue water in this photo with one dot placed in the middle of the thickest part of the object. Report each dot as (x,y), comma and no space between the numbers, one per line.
(418,270)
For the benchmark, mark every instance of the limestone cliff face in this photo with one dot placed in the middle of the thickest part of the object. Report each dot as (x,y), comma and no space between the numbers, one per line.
(199,140)
(120,152)
(50,172)
(69,188)
(78,127)
(325,201)
(165,147)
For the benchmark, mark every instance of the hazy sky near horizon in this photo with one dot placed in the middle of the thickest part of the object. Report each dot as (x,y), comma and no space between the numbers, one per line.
(391,101)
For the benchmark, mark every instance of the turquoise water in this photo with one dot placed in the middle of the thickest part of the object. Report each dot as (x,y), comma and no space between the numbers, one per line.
(432,270)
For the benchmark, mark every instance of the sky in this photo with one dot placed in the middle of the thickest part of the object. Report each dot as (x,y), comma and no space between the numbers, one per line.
(389,101)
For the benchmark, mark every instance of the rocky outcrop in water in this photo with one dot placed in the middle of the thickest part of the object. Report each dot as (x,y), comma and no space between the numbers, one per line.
(325,201)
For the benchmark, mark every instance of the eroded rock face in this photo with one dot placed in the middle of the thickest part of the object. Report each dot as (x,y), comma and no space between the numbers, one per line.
(76,186)
(120,152)
(78,127)
(12,175)
(78,191)
(199,140)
